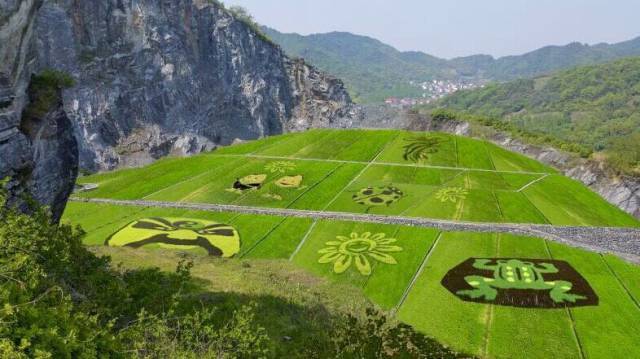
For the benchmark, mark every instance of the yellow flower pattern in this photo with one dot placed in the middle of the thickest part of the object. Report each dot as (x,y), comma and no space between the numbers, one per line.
(359,249)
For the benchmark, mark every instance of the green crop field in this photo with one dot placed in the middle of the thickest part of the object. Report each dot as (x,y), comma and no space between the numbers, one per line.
(488,294)
(439,176)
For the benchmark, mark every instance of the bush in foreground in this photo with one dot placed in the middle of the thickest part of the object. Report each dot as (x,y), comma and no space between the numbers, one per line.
(61,301)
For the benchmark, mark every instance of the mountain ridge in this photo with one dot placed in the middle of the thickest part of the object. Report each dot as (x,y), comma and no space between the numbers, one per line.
(376,70)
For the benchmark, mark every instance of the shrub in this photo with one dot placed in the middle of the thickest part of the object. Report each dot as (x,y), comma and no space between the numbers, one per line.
(377,337)
(62,301)
(44,91)
(243,15)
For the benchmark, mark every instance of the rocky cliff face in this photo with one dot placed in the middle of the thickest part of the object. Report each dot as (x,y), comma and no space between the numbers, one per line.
(176,77)
(37,152)
(622,191)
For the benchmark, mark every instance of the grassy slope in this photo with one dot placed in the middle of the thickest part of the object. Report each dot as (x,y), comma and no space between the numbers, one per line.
(291,302)
(476,328)
(373,70)
(495,179)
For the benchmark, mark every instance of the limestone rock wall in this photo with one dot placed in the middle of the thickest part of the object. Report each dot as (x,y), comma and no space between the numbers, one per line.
(38,155)
(157,78)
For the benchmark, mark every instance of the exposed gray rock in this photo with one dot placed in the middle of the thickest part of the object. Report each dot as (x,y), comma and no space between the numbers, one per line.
(623,192)
(54,156)
(37,154)
(177,77)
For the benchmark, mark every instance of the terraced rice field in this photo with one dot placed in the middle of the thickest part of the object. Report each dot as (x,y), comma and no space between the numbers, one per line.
(459,179)
(488,294)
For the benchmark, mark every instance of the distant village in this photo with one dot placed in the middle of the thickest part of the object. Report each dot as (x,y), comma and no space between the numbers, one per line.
(433,90)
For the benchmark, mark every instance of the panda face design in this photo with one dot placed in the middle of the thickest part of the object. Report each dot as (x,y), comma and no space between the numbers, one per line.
(219,240)
(378,196)
(250,182)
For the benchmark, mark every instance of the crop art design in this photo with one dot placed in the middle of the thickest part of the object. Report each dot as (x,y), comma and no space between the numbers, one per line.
(289,182)
(527,283)
(248,183)
(219,240)
(418,149)
(378,196)
(284,185)
(452,194)
(359,250)
(280,166)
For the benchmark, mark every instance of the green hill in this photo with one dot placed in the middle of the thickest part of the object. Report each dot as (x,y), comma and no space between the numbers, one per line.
(596,107)
(374,71)
(570,302)
(371,69)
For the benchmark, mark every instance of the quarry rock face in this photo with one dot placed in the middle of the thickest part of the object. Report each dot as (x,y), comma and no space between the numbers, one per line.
(38,154)
(157,78)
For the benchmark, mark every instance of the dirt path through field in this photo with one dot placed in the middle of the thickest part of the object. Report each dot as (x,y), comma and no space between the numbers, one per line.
(624,242)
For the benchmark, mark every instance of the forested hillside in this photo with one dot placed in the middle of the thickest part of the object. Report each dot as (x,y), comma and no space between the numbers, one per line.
(373,70)
(595,107)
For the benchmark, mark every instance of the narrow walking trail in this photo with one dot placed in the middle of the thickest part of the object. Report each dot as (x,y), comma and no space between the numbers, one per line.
(624,242)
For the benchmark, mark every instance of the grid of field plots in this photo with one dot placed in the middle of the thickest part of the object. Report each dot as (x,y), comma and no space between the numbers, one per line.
(477,292)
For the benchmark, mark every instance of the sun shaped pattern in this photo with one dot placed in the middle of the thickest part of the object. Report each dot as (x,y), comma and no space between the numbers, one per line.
(452,194)
(358,249)
(280,166)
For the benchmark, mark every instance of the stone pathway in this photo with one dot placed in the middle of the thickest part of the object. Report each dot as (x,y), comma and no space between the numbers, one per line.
(624,242)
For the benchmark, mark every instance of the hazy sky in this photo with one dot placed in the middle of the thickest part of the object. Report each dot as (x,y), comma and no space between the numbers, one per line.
(449,28)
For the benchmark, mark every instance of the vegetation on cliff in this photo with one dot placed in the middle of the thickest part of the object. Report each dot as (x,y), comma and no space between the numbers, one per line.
(583,110)
(374,71)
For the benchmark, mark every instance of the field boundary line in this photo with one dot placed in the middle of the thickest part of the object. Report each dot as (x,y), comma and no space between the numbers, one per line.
(373,161)
(181,182)
(355,178)
(455,145)
(495,198)
(486,149)
(310,188)
(265,147)
(262,149)
(533,182)
(487,335)
(624,287)
(416,275)
(119,219)
(200,189)
(620,241)
(569,313)
(544,216)
(303,240)
(257,243)
(316,140)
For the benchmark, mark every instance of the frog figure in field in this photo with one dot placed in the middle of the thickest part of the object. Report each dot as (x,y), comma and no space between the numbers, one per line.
(517,274)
